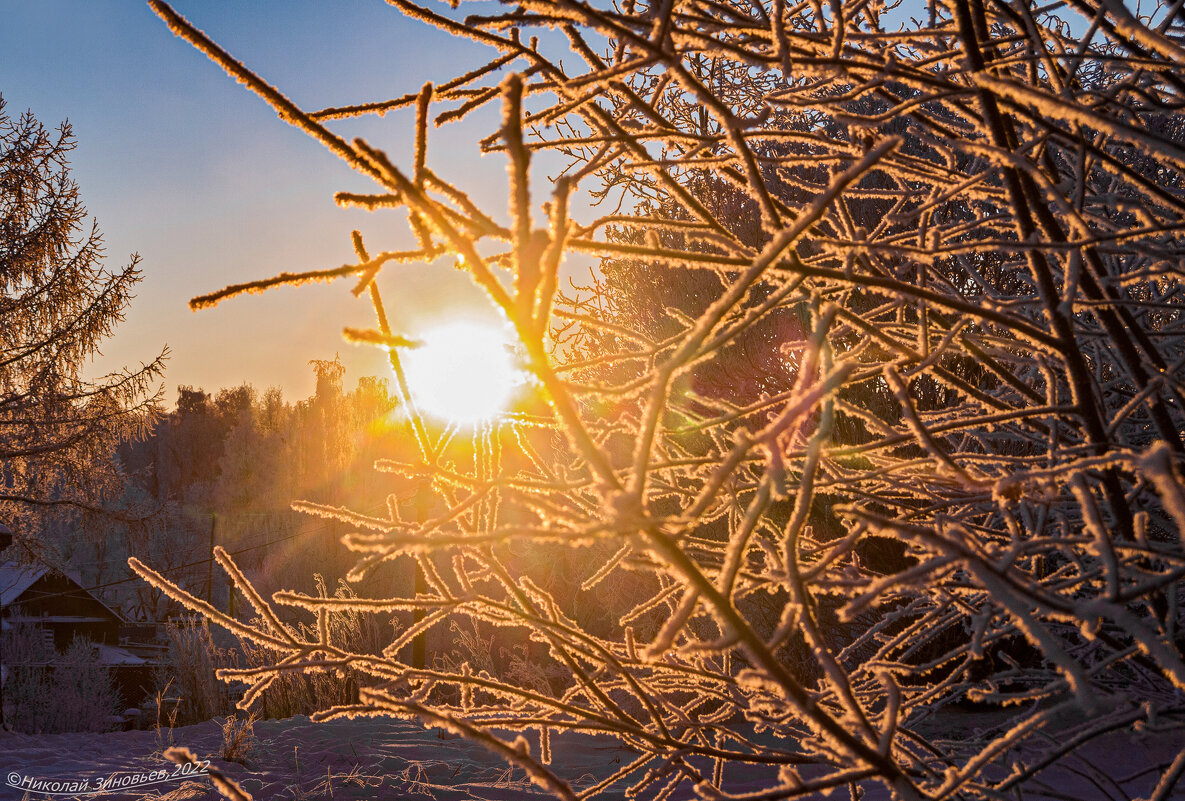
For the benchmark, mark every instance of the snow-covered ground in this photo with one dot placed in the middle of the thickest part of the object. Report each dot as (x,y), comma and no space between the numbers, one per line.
(298,759)
(382,758)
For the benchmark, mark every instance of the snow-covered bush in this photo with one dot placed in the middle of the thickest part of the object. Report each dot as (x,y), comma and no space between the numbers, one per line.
(193,660)
(295,693)
(873,404)
(47,693)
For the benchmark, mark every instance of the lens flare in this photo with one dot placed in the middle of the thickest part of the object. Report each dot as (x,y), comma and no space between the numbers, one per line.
(464,372)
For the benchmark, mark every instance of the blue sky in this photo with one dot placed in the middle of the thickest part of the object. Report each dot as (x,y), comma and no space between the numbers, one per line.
(186,167)
(183,165)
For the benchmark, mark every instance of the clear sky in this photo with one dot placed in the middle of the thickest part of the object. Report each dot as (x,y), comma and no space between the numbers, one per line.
(198,175)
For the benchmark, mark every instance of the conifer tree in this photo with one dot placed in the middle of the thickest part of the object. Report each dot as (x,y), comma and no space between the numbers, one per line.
(58,302)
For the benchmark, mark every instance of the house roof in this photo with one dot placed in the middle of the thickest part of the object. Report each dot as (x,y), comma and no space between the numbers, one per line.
(16,578)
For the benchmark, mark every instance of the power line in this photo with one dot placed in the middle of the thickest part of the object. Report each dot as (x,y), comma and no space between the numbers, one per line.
(90,563)
(178,568)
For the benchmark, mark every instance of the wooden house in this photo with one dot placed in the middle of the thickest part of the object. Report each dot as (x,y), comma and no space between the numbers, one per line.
(55,602)
(57,606)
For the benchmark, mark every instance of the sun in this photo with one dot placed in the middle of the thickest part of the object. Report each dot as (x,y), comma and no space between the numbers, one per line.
(463,372)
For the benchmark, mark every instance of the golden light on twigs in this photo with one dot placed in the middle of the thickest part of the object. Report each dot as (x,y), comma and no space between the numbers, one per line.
(462,372)
(967,228)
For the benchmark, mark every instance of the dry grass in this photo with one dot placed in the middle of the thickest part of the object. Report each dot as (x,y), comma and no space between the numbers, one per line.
(194,658)
(167,709)
(238,739)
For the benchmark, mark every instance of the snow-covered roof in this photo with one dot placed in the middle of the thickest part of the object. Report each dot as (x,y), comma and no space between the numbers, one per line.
(110,655)
(16,578)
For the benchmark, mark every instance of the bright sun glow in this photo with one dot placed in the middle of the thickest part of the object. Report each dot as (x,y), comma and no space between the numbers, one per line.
(464,372)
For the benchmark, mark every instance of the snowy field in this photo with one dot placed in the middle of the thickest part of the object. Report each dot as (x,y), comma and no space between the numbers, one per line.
(299,759)
(392,759)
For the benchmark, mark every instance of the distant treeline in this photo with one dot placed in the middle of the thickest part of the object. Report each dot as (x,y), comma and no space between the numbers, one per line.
(232,462)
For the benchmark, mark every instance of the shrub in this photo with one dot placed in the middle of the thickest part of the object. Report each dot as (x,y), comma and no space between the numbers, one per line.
(885,331)
(48,693)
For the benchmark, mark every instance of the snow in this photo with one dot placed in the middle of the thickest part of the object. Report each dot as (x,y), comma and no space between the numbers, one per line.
(388,758)
(361,758)
(111,655)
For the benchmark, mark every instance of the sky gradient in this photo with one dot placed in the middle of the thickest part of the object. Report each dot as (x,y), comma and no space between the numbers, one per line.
(198,175)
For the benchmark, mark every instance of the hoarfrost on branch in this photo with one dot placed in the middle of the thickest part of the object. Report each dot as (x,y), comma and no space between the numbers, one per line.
(874,403)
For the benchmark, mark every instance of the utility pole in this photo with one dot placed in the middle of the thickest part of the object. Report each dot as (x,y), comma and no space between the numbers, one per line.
(210,572)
